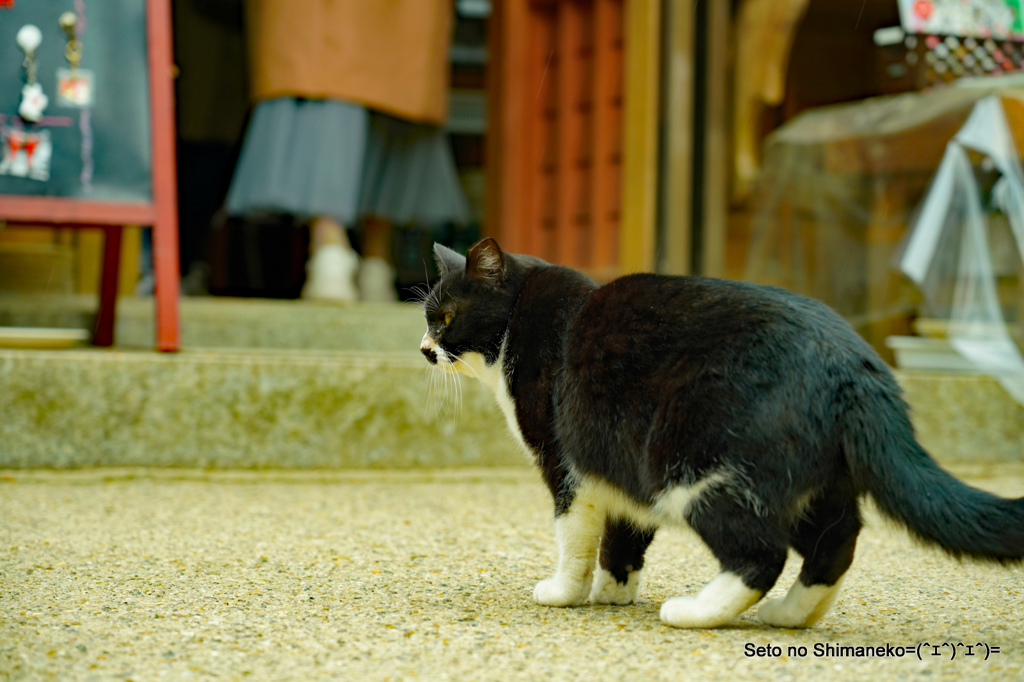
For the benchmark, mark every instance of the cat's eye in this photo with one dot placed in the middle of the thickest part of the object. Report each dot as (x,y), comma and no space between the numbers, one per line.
(447,319)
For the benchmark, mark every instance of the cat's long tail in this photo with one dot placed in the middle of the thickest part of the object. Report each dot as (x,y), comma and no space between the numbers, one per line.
(911,488)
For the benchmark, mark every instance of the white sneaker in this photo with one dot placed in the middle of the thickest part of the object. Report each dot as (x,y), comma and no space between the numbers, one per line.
(377,281)
(330,275)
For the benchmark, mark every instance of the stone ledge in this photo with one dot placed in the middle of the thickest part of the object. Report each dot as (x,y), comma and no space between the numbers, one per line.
(209,322)
(238,410)
(221,409)
(963,417)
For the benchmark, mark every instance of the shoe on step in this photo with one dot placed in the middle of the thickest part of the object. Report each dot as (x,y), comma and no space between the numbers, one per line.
(377,281)
(330,275)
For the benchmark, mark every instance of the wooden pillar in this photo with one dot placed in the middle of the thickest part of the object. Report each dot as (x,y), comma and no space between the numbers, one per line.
(568,179)
(508,126)
(637,233)
(555,146)
(606,135)
(694,166)
(715,171)
(166,269)
(678,144)
(545,63)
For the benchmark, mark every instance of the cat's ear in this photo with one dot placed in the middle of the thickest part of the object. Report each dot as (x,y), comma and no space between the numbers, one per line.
(448,260)
(485,262)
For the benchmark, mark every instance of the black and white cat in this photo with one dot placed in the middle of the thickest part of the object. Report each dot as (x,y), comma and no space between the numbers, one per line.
(752,415)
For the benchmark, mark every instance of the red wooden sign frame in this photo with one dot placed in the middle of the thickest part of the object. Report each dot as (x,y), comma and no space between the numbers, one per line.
(161,213)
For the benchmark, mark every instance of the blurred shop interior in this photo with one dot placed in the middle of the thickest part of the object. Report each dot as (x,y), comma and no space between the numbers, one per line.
(790,142)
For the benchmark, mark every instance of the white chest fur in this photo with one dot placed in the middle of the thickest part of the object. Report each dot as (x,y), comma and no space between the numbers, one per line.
(493,377)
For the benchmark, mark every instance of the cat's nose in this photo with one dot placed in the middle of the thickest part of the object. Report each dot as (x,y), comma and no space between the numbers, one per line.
(427,348)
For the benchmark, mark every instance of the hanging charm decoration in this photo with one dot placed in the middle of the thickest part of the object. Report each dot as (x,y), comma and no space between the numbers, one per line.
(25,154)
(33,100)
(74,85)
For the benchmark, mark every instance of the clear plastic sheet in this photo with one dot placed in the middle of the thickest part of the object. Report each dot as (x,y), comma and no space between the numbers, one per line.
(929,184)
(968,239)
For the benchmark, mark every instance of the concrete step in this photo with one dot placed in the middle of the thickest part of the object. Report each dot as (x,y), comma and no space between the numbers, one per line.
(209,322)
(228,409)
(259,384)
(284,384)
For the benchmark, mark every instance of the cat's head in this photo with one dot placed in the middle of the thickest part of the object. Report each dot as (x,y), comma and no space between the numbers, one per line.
(469,307)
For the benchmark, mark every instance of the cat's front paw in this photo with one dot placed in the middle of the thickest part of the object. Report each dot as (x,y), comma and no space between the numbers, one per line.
(561,591)
(608,590)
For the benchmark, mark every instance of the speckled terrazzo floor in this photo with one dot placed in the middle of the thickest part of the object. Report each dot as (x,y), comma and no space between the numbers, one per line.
(151,574)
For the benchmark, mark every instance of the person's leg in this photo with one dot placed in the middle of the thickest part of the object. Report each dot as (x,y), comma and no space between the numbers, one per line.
(332,265)
(377,276)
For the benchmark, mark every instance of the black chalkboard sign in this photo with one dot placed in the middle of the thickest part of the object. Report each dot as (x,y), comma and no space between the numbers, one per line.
(100,151)
(111,156)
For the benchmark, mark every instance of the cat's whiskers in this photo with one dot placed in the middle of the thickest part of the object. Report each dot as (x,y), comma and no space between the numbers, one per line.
(456,388)
(430,302)
(419,293)
(450,398)
(468,366)
(430,376)
(457,382)
(439,392)
(444,387)
(423,298)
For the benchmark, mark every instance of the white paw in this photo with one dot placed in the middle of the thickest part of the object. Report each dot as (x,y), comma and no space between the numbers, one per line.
(607,590)
(717,604)
(777,613)
(801,608)
(561,591)
(693,612)
(685,612)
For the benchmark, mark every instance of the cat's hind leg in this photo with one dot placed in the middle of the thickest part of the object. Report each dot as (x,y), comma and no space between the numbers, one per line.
(826,537)
(751,551)
(617,580)
(577,532)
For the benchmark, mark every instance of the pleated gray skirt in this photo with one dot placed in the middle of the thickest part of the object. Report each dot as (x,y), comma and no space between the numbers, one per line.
(311,158)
